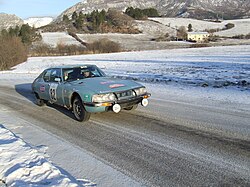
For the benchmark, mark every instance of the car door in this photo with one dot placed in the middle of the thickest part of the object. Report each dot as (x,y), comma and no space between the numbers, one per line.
(56,86)
(44,85)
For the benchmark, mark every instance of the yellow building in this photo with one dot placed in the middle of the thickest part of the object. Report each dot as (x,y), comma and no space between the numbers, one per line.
(197,36)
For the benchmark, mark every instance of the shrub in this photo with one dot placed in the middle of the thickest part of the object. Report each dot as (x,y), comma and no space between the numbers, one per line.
(12,52)
(229,26)
(137,13)
(104,46)
(100,46)
(212,30)
(197,45)
(150,12)
(42,49)
(241,36)
(213,38)
(182,33)
(247,36)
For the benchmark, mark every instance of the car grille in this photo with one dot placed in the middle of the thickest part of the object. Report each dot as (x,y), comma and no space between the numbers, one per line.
(124,95)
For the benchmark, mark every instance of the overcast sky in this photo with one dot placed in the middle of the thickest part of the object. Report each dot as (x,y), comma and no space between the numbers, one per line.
(35,8)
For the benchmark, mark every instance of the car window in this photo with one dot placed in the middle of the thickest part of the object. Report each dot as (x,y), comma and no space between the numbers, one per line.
(82,72)
(46,76)
(55,73)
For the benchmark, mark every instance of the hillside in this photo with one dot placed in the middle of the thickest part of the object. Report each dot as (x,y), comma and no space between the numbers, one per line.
(9,20)
(199,9)
(241,26)
(38,22)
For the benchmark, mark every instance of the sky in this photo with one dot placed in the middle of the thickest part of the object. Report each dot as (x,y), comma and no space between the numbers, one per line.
(35,8)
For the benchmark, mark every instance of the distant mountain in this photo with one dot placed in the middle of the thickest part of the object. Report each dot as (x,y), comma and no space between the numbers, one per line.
(200,9)
(38,22)
(8,20)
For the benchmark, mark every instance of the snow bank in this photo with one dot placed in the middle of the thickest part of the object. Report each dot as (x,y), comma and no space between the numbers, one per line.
(21,165)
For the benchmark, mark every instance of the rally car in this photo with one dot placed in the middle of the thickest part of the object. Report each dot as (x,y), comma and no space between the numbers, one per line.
(85,89)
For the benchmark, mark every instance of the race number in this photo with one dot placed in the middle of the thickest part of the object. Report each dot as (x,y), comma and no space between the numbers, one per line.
(52,92)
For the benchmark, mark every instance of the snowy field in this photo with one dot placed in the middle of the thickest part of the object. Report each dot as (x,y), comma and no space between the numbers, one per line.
(197,25)
(205,76)
(55,38)
(241,26)
(215,67)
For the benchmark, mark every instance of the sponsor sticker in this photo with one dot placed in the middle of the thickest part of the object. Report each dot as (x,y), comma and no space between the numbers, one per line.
(42,88)
(107,82)
(116,85)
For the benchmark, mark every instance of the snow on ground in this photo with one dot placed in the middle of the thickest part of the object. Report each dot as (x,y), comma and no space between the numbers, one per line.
(133,42)
(197,25)
(154,29)
(38,22)
(241,25)
(216,67)
(215,76)
(51,148)
(21,165)
(54,38)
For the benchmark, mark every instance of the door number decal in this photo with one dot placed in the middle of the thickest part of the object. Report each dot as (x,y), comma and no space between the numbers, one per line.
(52,92)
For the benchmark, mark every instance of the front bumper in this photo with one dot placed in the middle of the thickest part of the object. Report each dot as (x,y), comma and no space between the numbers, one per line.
(123,102)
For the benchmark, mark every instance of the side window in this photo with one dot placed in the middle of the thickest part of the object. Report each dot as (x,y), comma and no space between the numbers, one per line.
(46,76)
(55,73)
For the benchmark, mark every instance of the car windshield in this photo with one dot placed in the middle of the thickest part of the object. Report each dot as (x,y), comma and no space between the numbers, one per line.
(82,72)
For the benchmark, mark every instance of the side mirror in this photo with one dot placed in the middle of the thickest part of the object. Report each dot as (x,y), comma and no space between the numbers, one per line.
(57,80)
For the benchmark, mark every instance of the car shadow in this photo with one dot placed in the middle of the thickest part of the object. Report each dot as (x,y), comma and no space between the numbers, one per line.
(26,91)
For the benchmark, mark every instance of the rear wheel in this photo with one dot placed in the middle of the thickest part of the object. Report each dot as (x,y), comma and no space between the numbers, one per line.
(39,102)
(79,111)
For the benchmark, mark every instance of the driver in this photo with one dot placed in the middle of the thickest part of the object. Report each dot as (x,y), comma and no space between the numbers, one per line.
(87,74)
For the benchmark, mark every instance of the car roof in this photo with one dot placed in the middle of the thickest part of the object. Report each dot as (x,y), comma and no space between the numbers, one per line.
(72,66)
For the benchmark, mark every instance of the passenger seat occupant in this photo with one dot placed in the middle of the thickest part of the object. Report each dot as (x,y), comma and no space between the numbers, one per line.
(66,75)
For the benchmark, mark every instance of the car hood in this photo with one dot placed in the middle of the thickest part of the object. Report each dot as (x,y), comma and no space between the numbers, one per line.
(104,84)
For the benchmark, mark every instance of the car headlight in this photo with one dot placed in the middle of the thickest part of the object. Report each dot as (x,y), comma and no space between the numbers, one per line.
(140,91)
(103,98)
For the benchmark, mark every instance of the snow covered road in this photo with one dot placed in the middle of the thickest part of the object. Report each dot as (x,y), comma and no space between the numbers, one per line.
(165,149)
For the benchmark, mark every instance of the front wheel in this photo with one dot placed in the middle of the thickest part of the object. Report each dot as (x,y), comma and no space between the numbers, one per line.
(131,107)
(79,111)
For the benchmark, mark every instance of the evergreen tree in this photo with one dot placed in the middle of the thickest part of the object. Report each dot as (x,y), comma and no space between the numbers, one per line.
(25,34)
(79,23)
(137,13)
(190,27)
(150,12)
(74,16)
(65,18)
(4,33)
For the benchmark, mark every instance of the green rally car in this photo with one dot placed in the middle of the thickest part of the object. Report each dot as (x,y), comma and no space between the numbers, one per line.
(85,89)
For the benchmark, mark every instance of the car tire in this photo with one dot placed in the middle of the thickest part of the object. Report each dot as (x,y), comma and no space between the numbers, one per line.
(79,111)
(39,102)
(131,107)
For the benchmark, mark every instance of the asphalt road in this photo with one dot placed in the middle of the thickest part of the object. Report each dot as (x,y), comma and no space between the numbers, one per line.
(169,144)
